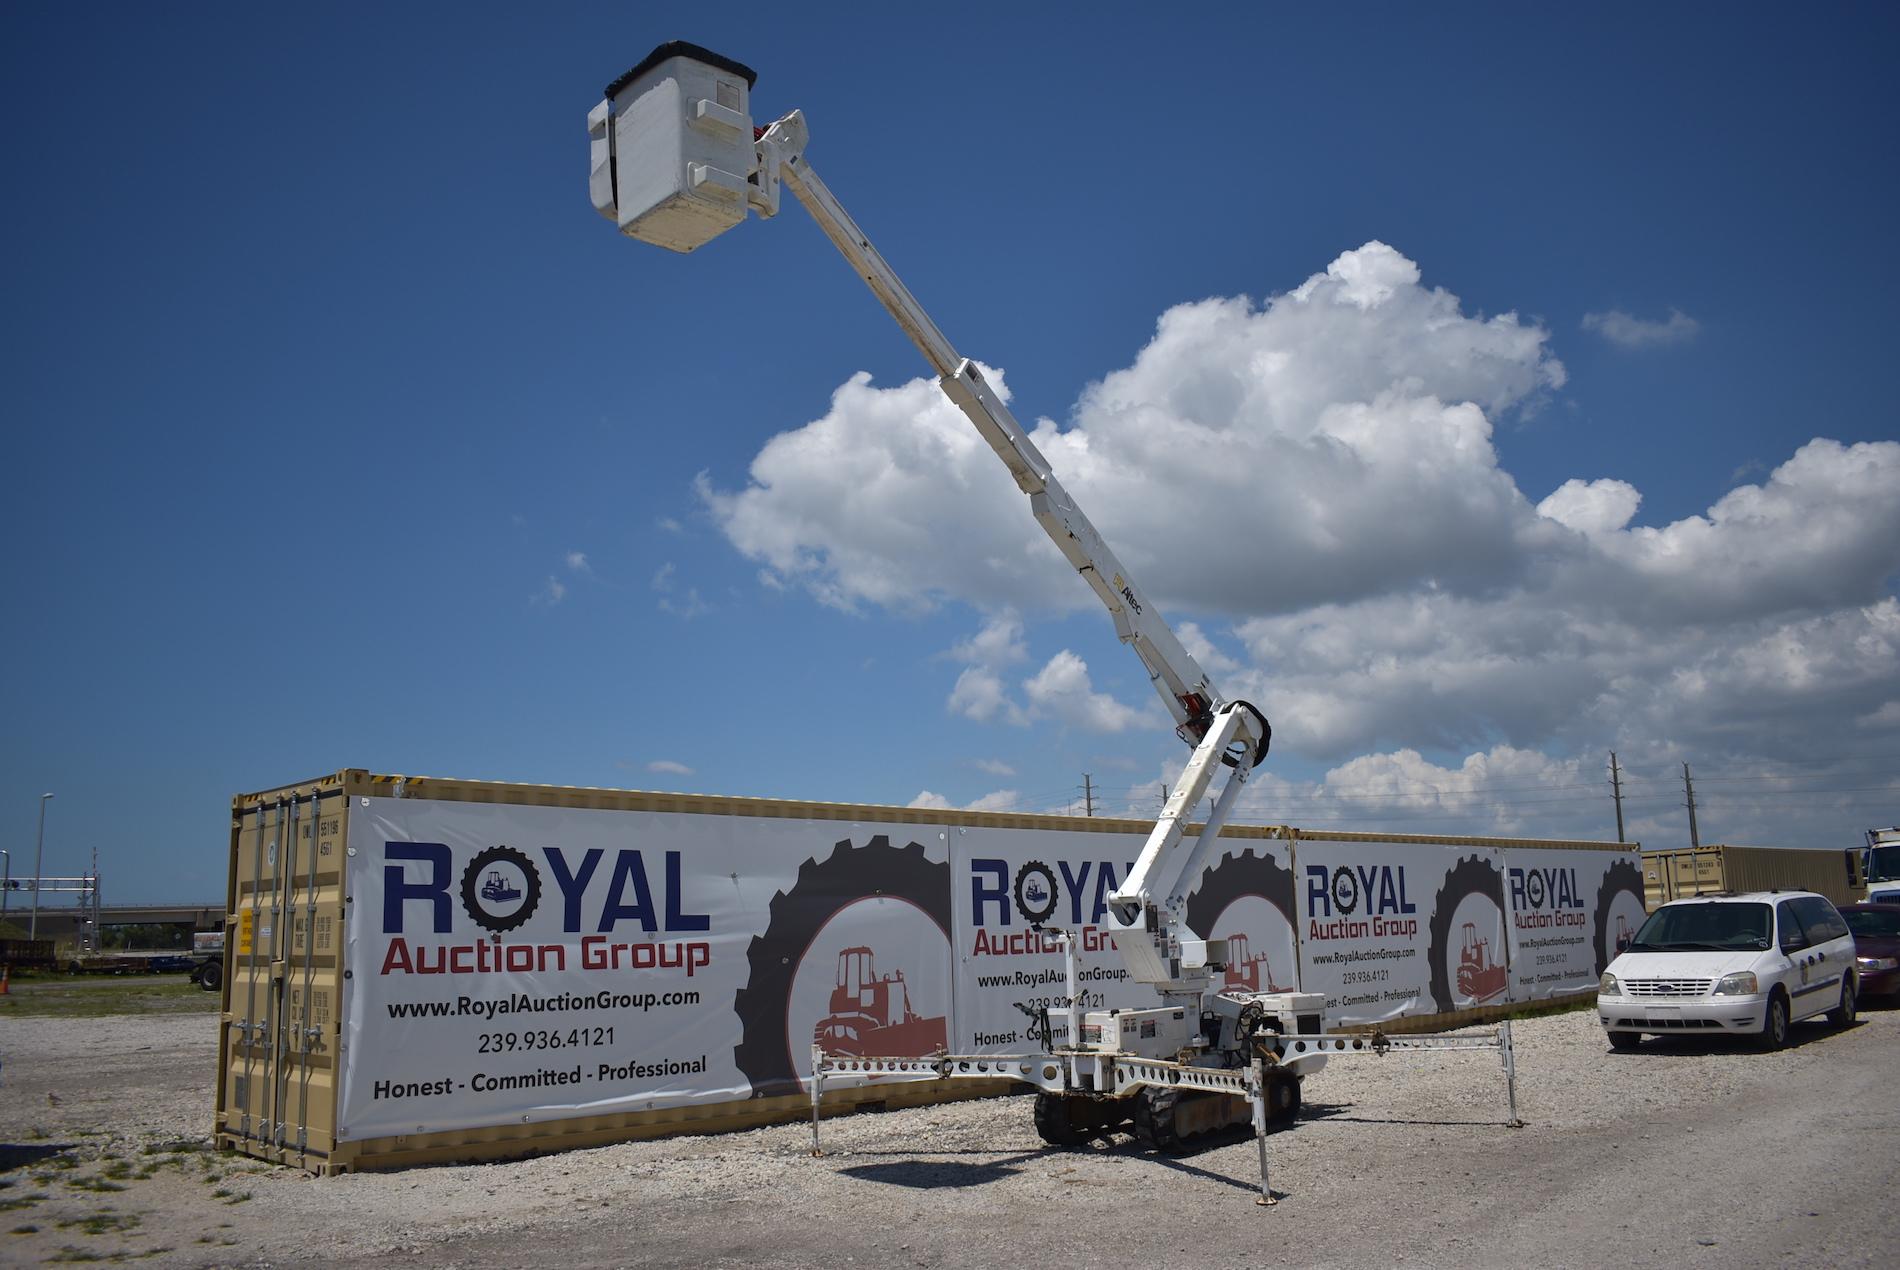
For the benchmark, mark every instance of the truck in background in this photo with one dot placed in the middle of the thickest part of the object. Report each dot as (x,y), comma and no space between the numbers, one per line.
(207,955)
(1880,862)
(1679,872)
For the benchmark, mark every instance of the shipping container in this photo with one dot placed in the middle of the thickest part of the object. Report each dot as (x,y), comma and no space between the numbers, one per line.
(27,954)
(1680,872)
(420,970)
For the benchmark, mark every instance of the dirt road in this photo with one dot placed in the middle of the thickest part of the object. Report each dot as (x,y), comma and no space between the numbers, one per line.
(1684,1153)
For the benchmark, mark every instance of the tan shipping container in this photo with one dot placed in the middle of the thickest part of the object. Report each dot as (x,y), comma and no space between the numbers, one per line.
(1681,872)
(280,1088)
(278,1056)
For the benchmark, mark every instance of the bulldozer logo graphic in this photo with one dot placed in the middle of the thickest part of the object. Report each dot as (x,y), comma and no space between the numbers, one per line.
(1465,973)
(1345,890)
(872,1016)
(500,889)
(1248,971)
(863,1009)
(1035,892)
(1479,977)
(1253,876)
(1619,911)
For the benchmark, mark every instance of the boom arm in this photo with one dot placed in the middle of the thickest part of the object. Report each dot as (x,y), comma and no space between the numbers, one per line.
(1148,910)
(1183,685)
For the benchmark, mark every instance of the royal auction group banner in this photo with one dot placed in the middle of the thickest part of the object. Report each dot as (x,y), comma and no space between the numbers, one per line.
(511,964)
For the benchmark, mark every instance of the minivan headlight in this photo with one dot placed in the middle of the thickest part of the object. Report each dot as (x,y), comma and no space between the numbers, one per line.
(1741,984)
(1609,987)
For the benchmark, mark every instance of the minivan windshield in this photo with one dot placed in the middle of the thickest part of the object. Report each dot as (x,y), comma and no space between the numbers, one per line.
(1705,928)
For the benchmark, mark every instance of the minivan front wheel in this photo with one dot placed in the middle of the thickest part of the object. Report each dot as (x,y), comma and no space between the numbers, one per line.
(1843,1014)
(1774,1024)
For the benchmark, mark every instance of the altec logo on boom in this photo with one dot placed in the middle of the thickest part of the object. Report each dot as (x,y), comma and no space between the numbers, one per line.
(1357,901)
(1545,897)
(501,888)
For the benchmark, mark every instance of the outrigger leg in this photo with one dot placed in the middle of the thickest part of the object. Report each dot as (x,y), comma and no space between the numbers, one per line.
(817,1093)
(1508,1054)
(1257,1094)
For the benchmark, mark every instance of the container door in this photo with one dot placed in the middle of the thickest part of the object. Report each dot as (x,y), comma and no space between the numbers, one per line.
(278,1095)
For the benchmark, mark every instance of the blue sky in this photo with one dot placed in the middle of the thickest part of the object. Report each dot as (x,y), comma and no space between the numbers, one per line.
(1398,352)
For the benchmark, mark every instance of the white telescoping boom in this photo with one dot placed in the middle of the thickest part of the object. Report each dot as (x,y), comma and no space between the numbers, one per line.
(676,161)
(1148,910)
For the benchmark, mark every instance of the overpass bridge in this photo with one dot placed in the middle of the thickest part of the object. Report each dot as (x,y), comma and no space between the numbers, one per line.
(67,921)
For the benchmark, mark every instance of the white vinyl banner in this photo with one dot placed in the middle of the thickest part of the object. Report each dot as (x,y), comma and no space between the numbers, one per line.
(1390,929)
(1009,882)
(512,964)
(1009,885)
(1571,912)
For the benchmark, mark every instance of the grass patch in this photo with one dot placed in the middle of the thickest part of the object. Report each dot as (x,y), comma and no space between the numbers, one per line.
(70,1253)
(105,1223)
(181,1146)
(99,1184)
(92,996)
(17,1202)
(25,1230)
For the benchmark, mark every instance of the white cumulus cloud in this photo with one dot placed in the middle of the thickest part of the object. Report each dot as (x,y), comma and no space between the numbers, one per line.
(1625,331)
(999,800)
(1061,690)
(1592,507)
(1309,485)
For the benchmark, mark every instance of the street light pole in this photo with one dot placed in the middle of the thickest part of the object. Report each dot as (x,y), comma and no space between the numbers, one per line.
(39,854)
(6,885)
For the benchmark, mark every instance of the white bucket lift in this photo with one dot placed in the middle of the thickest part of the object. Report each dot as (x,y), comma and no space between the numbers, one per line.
(675,162)
(671,147)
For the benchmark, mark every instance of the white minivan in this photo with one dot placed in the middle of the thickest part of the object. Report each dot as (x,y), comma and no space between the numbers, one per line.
(1731,963)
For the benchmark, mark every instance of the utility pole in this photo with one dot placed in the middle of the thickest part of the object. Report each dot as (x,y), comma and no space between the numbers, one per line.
(1088,796)
(93,942)
(39,853)
(1695,839)
(1616,790)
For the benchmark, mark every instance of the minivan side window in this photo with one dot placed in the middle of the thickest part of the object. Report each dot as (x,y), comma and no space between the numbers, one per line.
(1820,919)
(1788,924)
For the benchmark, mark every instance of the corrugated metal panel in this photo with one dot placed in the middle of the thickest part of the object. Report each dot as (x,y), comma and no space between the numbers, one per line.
(1689,871)
(277,1068)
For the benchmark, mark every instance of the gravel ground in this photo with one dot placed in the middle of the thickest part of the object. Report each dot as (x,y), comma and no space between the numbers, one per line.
(1686,1153)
